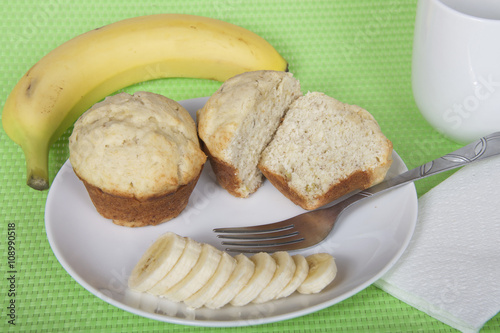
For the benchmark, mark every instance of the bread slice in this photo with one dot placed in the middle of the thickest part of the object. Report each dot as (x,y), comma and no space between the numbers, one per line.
(239,120)
(325,149)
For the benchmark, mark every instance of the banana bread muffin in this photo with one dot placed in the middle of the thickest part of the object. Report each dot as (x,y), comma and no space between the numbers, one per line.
(138,156)
(239,120)
(324,149)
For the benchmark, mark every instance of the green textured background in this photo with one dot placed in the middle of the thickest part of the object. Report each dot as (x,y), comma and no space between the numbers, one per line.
(357,51)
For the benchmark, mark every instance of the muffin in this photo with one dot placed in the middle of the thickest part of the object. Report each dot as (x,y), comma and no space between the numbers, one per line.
(138,156)
(239,120)
(325,149)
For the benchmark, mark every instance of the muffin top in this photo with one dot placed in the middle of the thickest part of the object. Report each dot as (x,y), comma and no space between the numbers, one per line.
(139,145)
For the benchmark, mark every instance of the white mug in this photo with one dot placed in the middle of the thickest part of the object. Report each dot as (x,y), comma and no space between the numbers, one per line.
(456,66)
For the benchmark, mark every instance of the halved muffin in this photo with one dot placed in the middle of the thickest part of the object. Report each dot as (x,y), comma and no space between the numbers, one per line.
(325,149)
(239,120)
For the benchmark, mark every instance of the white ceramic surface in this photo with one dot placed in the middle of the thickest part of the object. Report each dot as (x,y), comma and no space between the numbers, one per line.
(100,255)
(456,66)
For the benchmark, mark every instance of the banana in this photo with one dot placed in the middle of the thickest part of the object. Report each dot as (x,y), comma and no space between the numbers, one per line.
(183,266)
(322,271)
(216,282)
(82,71)
(265,266)
(198,276)
(239,278)
(285,269)
(300,274)
(156,262)
(181,269)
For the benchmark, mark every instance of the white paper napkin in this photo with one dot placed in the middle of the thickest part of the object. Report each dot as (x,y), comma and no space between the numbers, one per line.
(451,268)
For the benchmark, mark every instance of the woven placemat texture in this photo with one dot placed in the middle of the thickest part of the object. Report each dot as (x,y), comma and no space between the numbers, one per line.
(358,51)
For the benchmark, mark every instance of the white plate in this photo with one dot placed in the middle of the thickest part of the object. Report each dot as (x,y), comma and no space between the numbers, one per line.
(100,255)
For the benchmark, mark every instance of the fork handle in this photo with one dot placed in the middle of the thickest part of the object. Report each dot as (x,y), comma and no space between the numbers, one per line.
(483,148)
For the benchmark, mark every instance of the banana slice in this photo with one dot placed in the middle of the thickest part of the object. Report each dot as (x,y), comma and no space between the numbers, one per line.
(285,269)
(181,269)
(300,274)
(240,276)
(183,266)
(156,262)
(198,276)
(322,271)
(216,282)
(265,266)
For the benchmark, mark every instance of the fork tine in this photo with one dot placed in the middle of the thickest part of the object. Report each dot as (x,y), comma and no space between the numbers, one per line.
(299,232)
(263,228)
(264,245)
(254,247)
(279,236)
(260,236)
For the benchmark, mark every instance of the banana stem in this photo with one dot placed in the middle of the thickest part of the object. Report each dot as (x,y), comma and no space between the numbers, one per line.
(37,166)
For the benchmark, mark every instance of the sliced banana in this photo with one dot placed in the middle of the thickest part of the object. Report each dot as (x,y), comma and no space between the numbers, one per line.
(322,271)
(156,262)
(265,266)
(240,276)
(285,268)
(198,276)
(181,269)
(183,266)
(300,274)
(216,282)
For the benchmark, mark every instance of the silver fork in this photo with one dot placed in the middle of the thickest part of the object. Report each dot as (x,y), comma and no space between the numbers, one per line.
(310,228)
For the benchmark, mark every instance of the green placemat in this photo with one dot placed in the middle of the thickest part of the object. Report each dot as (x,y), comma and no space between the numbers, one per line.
(357,51)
